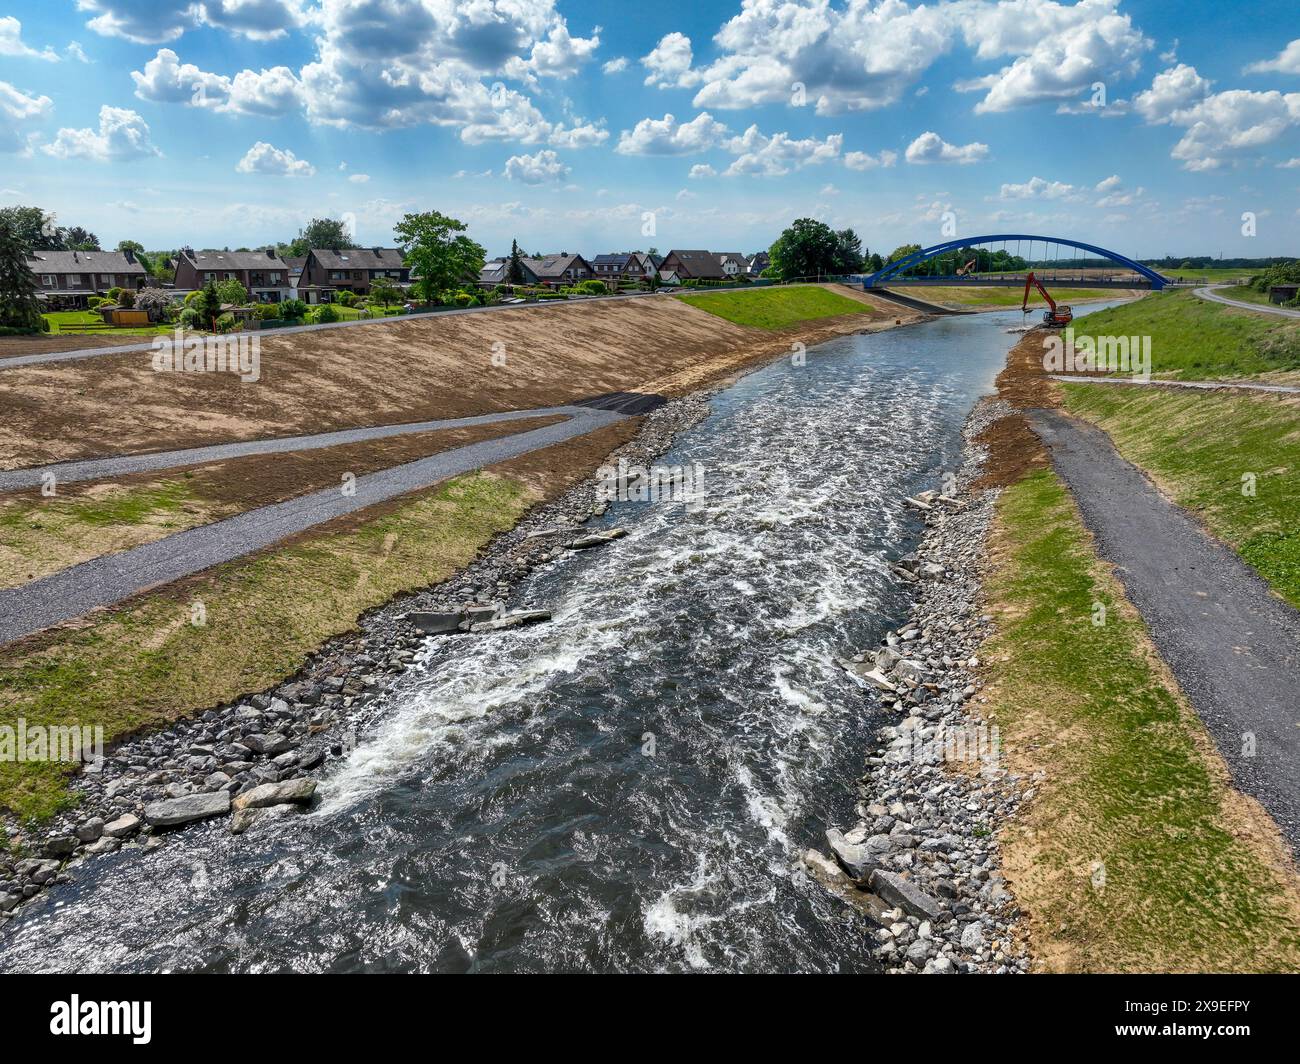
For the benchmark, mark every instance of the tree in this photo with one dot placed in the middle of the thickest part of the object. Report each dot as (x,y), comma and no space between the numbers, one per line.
(155,301)
(876,263)
(320,233)
(33,228)
(515,274)
(384,292)
(231,291)
(808,248)
(208,304)
(19,307)
(903,251)
(436,249)
(130,245)
(848,252)
(78,239)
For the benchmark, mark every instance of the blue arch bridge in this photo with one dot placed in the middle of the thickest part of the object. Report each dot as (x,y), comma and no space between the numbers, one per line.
(1006,258)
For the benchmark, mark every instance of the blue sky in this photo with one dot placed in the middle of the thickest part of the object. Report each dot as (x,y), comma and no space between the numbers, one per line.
(1148,127)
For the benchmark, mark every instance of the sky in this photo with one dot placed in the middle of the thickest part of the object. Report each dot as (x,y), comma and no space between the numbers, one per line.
(1150,128)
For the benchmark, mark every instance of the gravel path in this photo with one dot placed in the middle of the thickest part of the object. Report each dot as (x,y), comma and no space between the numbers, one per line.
(122,465)
(1203,385)
(1233,646)
(107,580)
(1212,296)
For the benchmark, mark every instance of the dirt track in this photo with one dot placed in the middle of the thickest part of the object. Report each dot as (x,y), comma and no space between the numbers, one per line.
(403,371)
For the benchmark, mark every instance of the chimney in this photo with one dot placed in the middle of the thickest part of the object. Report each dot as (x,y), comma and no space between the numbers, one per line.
(130,255)
(74,256)
(270,253)
(377,251)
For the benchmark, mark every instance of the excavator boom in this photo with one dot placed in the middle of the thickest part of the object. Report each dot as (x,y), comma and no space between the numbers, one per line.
(1056,315)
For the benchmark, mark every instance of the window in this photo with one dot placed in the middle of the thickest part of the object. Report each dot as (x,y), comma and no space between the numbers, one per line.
(47,279)
(106,279)
(275,278)
(74,279)
(209,276)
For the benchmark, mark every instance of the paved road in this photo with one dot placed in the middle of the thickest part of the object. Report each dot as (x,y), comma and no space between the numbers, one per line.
(110,579)
(123,465)
(1203,385)
(1233,646)
(1214,297)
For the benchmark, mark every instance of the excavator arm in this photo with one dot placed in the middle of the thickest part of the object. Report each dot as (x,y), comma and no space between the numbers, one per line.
(1055,316)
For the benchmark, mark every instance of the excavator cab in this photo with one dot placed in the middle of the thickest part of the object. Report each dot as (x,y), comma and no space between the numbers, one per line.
(1059,317)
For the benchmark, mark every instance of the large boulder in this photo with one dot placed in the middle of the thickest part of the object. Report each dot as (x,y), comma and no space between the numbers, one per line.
(905,894)
(267,794)
(176,811)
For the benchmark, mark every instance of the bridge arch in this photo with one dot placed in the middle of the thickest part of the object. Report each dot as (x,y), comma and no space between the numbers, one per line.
(894,269)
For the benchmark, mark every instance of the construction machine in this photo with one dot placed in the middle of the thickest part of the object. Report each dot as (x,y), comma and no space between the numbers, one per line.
(962,271)
(1056,315)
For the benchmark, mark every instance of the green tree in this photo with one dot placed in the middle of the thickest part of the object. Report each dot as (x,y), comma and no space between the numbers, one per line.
(436,249)
(19,307)
(848,252)
(876,262)
(808,248)
(208,304)
(384,292)
(515,274)
(328,233)
(33,228)
(231,291)
(903,251)
(79,239)
(130,245)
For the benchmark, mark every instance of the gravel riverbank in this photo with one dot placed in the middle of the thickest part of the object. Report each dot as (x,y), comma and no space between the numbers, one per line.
(922,860)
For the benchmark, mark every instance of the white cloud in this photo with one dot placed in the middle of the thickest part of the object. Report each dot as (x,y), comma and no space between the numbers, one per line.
(653,136)
(264,158)
(861,160)
(1038,188)
(929,147)
(1287,61)
(1171,91)
(583,135)
(537,169)
(165,79)
(77,52)
(615,66)
(359,179)
(160,21)
(778,154)
(272,92)
(1290,164)
(669,62)
(12,44)
(17,108)
(558,55)
(701,170)
(122,135)
(1233,122)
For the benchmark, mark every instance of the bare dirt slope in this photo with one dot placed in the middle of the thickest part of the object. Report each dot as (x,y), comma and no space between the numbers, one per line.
(386,373)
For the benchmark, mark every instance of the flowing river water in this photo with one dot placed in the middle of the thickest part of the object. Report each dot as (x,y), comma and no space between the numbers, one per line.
(629,787)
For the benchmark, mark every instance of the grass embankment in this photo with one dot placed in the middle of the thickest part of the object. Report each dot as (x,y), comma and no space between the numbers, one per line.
(777,308)
(1246,294)
(1005,295)
(1135,853)
(1192,339)
(146,663)
(1198,446)
(75,321)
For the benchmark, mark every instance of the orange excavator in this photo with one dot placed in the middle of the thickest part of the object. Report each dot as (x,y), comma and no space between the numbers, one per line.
(962,271)
(1056,316)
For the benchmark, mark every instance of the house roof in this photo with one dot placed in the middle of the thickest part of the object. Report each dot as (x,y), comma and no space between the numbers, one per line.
(82,262)
(698,263)
(615,259)
(553,265)
(235,260)
(295,262)
(358,258)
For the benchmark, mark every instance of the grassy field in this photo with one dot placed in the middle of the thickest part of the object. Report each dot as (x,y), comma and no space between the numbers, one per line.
(147,664)
(776,307)
(1210,274)
(1003,296)
(74,321)
(1247,294)
(1135,853)
(1198,447)
(1195,340)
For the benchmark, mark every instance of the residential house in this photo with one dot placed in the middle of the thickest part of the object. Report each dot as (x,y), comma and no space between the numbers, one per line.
(693,265)
(641,266)
(66,279)
(326,272)
(264,275)
(758,262)
(733,263)
(669,277)
(295,264)
(563,269)
(498,272)
(611,268)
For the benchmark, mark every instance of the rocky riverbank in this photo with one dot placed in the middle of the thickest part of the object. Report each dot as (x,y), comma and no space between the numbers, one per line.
(259,756)
(922,860)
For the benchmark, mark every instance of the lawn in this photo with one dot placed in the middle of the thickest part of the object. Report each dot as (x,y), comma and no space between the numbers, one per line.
(1135,854)
(1003,295)
(1247,294)
(1209,274)
(1195,340)
(776,307)
(1198,446)
(146,664)
(74,321)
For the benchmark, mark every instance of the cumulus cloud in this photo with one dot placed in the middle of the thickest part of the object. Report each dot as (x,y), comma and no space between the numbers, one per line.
(669,62)
(1286,61)
(1038,188)
(929,147)
(12,43)
(778,154)
(654,136)
(615,66)
(1171,91)
(122,135)
(359,179)
(861,160)
(17,108)
(539,169)
(264,158)
(160,21)
(702,170)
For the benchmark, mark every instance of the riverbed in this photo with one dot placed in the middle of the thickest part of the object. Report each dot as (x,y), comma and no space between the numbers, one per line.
(625,788)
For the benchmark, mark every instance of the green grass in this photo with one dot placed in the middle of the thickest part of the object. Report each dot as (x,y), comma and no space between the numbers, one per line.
(1195,340)
(146,664)
(776,307)
(1198,446)
(71,321)
(1130,783)
(1247,294)
(1211,274)
(1001,295)
(352,313)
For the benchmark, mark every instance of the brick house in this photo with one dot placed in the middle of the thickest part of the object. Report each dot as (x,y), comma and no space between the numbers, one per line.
(262,273)
(693,265)
(556,270)
(66,279)
(498,272)
(612,267)
(327,272)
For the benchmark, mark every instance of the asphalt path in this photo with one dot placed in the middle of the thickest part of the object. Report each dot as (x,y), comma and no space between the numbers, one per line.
(110,579)
(1233,646)
(1212,296)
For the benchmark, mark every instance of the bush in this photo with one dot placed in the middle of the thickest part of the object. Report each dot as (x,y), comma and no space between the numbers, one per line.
(154,300)
(293,308)
(45,324)
(266,311)
(95,302)
(346,299)
(193,297)
(190,319)
(325,314)
(232,292)
(18,330)
(591,288)
(126,299)
(226,323)
(113,293)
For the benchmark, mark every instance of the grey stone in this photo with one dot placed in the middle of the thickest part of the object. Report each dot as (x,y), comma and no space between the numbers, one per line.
(126,824)
(597,538)
(905,894)
(857,860)
(192,807)
(972,937)
(91,830)
(299,790)
(61,845)
(512,620)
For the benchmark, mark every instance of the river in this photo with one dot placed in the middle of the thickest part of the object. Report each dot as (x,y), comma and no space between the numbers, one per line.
(627,788)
